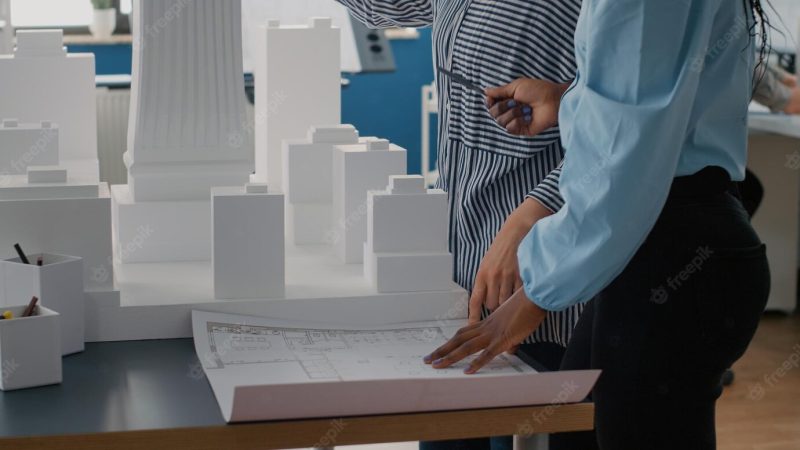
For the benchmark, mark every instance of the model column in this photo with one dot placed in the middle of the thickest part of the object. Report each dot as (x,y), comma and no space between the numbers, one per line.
(187,126)
(187,129)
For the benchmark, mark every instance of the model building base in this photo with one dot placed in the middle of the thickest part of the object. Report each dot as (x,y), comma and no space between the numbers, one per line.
(156,299)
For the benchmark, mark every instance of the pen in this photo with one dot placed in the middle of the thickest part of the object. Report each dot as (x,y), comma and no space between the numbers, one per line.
(21,254)
(461,80)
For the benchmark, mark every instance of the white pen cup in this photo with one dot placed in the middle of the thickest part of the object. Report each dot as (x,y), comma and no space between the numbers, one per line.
(30,348)
(58,283)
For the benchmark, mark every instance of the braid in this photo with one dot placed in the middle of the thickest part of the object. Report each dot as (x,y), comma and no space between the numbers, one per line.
(760,30)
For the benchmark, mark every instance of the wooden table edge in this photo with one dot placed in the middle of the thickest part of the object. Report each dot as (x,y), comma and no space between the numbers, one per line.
(329,432)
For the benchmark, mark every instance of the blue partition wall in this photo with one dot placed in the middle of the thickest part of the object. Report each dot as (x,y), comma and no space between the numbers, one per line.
(378,104)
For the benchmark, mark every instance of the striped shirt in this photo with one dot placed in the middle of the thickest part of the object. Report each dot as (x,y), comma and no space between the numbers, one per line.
(487,172)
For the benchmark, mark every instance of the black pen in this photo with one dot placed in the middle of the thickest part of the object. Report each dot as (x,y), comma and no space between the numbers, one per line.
(21,254)
(462,80)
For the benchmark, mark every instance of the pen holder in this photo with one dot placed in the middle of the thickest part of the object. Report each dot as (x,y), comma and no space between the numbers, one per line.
(58,283)
(30,349)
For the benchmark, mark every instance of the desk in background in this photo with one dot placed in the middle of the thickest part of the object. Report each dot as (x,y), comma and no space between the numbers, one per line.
(774,156)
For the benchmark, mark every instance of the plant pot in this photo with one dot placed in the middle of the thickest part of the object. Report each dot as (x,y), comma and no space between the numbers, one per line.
(103,23)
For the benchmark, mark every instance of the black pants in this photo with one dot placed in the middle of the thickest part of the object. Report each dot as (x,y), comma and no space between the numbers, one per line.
(663,332)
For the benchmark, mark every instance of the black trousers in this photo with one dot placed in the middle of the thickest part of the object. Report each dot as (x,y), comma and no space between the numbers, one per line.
(663,332)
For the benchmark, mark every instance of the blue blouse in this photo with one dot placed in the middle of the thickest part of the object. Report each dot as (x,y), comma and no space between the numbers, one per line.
(662,91)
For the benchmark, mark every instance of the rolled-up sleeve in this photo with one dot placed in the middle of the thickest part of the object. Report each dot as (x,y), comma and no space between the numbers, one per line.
(391,13)
(770,91)
(623,127)
(546,192)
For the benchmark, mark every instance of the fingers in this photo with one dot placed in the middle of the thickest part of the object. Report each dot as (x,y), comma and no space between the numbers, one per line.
(505,91)
(524,112)
(484,358)
(506,289)
(462,336)
(476,343)
(517,284)
(477,300)
(501,106)
(522,126)
(492,293)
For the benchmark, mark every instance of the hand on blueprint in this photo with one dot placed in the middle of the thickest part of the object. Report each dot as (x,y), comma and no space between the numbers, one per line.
(526,107)
(501,331)
(498,275)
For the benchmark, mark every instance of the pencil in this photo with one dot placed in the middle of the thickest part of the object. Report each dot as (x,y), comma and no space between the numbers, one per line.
(31,307)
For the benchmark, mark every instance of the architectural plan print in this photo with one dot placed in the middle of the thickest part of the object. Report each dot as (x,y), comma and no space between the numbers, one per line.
(338,354)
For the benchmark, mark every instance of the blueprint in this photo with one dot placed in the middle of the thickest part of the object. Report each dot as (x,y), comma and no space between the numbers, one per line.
(262,369)
(339,354)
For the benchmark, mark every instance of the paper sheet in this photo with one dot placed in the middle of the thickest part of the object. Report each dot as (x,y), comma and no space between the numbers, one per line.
(263,369)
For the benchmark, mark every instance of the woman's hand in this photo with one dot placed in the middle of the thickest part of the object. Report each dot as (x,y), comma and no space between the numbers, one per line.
(526,107)
(498,275)
(789,80)
(793,106)
(501,331)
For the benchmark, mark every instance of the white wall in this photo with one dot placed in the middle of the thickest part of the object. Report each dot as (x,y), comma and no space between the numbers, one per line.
(784,15)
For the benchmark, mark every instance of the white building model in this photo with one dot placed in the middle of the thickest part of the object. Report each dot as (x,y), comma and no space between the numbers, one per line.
(190,231)
(50,197)
(187,115)
(407,246)
(298,86)
(41,82)
(308,177)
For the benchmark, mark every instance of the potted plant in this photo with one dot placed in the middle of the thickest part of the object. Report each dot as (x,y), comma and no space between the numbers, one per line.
(105,19)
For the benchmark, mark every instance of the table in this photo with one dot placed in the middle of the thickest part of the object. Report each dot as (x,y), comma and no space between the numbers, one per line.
(153,395)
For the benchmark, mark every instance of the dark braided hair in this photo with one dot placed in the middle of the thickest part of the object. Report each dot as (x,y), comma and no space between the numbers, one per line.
(760,30)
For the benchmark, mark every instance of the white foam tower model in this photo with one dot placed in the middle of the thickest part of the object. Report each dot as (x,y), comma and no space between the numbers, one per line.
(308,179)
(187,127)
(407,246)
(299,85)
(42,83)
(248,253)
(358,168)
